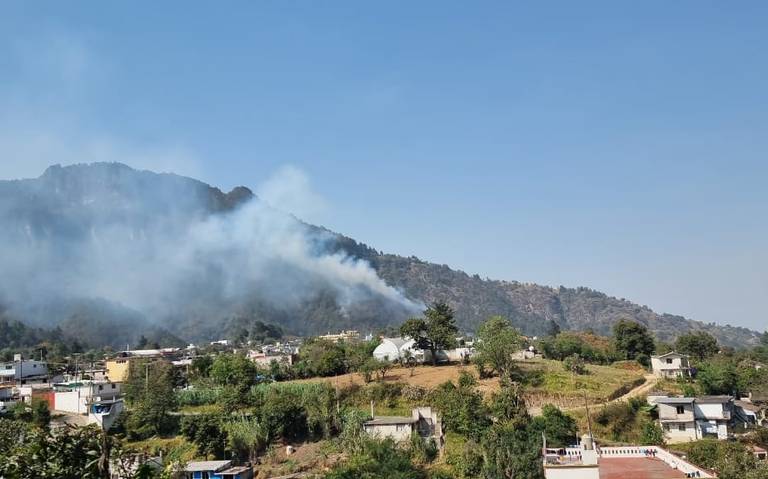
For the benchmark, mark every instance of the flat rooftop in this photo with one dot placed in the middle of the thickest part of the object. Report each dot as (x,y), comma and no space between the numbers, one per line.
(636,468)
(390,420)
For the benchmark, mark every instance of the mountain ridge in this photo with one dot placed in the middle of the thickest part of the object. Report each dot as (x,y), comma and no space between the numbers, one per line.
(101,209)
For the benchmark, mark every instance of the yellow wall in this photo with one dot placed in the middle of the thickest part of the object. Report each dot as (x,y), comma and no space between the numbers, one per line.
(117,369)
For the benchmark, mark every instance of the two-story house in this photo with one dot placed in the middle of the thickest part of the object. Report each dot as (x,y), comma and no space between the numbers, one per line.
(23,372)
(689,419)
(671,365)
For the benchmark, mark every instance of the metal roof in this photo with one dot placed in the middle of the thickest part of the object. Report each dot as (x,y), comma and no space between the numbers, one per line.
(198,466)
(675,400)
(714,399)
(671,353)
(390,420)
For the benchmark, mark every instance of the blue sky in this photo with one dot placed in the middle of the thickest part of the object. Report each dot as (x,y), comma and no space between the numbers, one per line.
(616,145)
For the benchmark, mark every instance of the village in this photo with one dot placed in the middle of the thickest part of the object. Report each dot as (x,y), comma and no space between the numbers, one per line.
(93,394)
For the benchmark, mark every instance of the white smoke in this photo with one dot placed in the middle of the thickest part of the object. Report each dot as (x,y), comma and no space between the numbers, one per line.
(164,259)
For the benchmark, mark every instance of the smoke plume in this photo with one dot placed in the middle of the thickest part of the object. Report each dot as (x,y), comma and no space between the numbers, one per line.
(160,243)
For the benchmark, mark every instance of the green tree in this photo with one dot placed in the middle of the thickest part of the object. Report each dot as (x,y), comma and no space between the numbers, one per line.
(575,364)
(731,460)
(201,366)
(207,432)
(558,427)
(718,376)
(27,451)
(378,460)
(229,369)
(41,415)
(497,342)
(699,344)
(461,406)
(652,434)
(508,404)
(632,339)
(512,445)
(319,357)
(151,392)
(435,332)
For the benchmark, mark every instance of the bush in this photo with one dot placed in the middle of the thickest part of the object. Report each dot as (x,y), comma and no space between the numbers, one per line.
(575,364)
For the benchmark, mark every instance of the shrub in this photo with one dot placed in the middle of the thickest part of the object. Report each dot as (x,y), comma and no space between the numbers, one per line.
(575,364)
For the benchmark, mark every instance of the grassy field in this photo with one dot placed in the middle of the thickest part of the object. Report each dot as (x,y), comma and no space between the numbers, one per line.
(547,381)
(550,383)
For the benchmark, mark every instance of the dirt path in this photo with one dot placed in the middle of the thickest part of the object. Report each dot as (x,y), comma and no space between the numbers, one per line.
(648,384)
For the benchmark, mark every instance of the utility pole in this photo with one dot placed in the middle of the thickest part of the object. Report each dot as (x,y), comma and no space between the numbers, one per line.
(589,419)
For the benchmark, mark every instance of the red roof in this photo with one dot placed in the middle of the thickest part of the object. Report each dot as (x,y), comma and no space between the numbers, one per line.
(636,468)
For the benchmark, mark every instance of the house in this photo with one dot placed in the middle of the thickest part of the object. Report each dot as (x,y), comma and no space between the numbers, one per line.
(264,359)
(119,366)
(24,371)
(590,461)
(100,402)
(689,419)
(216,470)
(750,414)
(7,398)
(423,421)
(671,365)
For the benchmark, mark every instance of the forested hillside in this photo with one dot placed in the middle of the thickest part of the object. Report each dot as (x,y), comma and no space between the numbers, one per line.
(108,254)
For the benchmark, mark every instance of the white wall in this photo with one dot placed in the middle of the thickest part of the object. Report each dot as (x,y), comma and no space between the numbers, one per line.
(709,411)
(572,472)
(676,435)
(69,401)
(398,432)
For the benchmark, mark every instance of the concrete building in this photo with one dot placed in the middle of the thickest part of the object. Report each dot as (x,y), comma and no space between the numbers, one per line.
(264,360)
(7,398)
(99,402)
(686,419)
(118,367)
(423,421)
(23,371)
(589,461)
(347,336)
(750,414)
(671,365)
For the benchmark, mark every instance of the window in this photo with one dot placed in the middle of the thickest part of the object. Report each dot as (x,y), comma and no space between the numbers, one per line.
(669,361)
(681,427)
(681,409)
(666,427)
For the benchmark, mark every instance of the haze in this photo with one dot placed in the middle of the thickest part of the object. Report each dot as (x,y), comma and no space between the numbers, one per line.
(598,144)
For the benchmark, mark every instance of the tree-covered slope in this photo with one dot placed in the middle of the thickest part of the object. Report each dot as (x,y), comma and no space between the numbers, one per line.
(108,253)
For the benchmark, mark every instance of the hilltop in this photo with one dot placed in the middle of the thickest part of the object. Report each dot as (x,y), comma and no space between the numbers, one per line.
(160,255)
